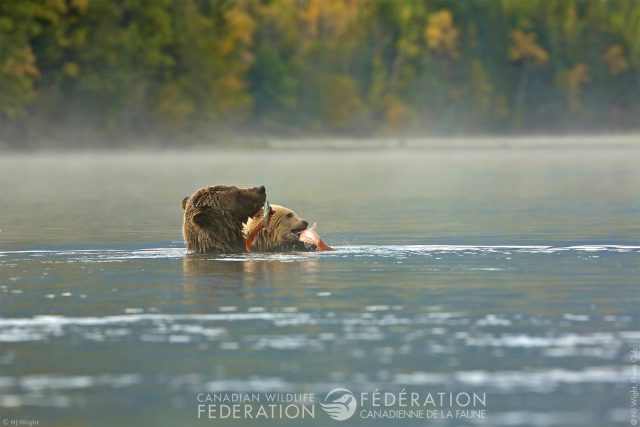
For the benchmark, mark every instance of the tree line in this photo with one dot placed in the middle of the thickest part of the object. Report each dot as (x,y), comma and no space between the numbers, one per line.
(323,67)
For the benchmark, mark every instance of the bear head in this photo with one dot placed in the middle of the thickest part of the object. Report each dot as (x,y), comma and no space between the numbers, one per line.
(285,227)
(213,217)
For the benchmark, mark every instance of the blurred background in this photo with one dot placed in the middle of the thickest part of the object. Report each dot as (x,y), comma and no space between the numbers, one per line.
(85,73)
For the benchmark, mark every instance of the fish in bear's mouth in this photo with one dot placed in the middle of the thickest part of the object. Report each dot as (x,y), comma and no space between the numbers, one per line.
(295,232)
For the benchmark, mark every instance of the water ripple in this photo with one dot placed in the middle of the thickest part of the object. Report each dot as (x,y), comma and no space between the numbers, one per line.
(395,251)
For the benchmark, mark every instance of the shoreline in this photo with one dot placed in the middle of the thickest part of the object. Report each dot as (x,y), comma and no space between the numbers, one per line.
(461,143)
(561,142)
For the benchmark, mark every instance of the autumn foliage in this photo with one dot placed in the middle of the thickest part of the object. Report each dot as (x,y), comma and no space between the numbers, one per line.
(294,67)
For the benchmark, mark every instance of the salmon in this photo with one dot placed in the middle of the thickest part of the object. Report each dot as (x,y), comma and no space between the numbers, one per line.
(310,236)
(267,213)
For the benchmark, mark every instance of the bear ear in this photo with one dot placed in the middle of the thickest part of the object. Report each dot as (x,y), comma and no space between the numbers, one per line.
(184,202)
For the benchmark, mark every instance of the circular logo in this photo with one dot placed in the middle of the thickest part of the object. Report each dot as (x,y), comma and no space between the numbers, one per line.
(340,404)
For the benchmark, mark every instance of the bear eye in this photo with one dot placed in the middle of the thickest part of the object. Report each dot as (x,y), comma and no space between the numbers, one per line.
(289,215)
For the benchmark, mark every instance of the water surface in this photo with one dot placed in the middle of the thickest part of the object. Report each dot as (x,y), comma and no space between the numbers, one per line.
(512,273)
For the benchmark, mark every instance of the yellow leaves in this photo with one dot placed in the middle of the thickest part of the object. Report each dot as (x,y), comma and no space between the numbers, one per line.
(329,17)
(227,94)
(312,16)
(615,58)
(342,104)
(442,35)
(71,69)
(232,83)
(20,70)
(225,47)
(399,115)
(344,63)
(574,78)
(242,26)
(395,111)
(239,35)
(525,48)
(406,12)
(80,5)
(408,48)
(22,64)
(577,76)
(50,10)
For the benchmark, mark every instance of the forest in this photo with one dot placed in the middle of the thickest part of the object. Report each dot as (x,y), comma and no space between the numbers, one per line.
(73,72)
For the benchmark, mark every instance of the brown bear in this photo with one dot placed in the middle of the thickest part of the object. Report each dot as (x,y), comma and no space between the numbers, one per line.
(284,229)
(213,217)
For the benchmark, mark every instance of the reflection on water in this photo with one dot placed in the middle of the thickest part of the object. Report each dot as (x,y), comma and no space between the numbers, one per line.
(251,270)
(506,274)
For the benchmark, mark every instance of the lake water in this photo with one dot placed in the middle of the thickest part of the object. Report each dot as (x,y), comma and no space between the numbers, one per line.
(512,273)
